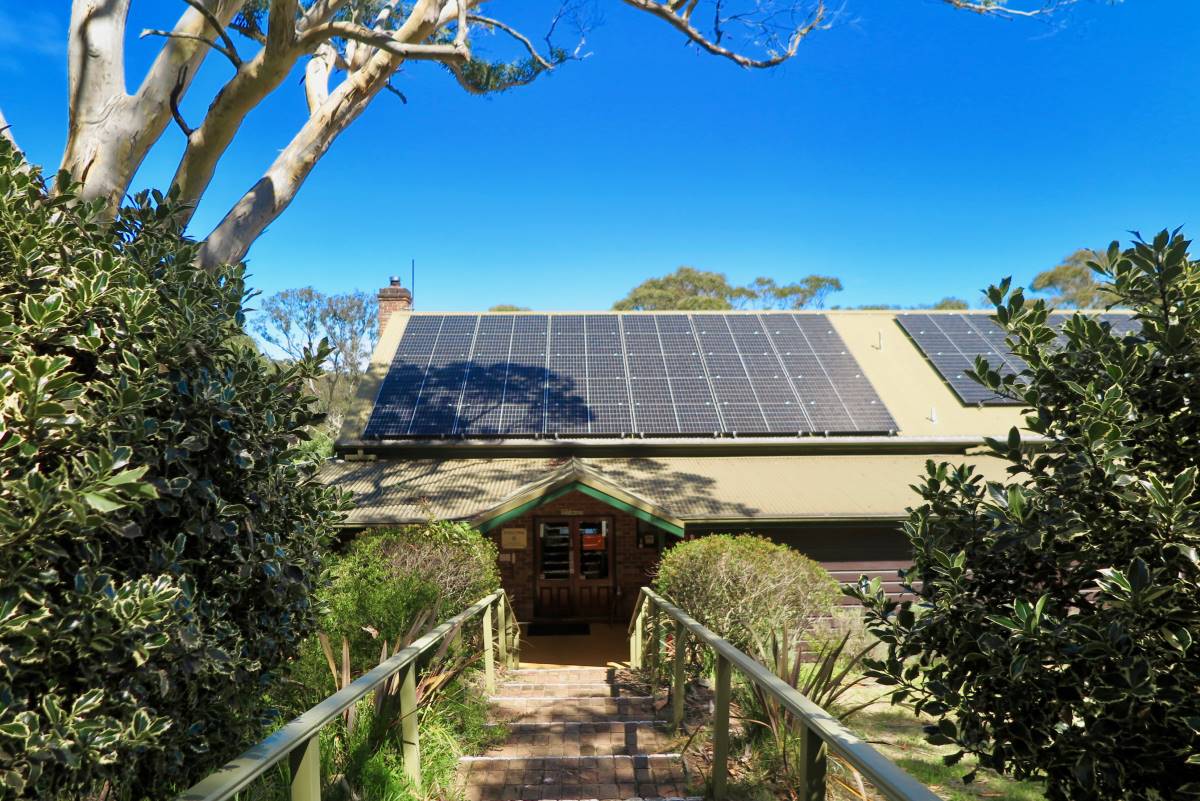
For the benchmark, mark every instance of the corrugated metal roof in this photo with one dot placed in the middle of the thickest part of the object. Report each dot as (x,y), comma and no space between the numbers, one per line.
(693,489)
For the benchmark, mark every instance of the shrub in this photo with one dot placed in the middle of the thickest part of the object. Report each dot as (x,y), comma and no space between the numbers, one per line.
(385,579)
(745,587)
(158,541)
(1060,614)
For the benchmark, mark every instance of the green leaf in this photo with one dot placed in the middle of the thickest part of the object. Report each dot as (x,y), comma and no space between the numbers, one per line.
(102,503)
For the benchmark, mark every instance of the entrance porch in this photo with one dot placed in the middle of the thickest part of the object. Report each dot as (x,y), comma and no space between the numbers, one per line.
(576,559)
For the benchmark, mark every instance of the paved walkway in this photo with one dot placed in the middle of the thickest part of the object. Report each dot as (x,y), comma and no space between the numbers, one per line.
(603,644)
(576,734)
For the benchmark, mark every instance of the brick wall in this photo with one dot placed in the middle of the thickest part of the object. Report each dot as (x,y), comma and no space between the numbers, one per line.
(632,566)
(393,298)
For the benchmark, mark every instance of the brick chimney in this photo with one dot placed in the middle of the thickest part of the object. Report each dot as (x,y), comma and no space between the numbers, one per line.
(392,298)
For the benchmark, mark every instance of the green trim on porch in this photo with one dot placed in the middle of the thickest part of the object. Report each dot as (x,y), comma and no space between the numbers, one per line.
(579,486)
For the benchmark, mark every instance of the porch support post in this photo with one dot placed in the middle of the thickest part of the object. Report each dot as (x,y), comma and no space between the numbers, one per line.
(489,658)
(720,769)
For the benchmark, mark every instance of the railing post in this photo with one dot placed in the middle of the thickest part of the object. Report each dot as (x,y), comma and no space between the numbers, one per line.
(515,646)
(635,644)
(502,630)
(720,771)
(812,766)
(306,770)
(678,679)
(410,738)
(489,659)
(654,640)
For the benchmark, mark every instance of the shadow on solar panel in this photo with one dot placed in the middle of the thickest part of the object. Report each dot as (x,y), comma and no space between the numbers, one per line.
(624,374)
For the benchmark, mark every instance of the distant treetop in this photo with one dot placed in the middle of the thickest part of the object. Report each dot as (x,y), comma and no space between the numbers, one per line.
(1072,283)
(689,289)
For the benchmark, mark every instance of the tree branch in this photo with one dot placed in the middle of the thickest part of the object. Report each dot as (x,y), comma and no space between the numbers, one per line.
(681,22)
(1001,8)
(385,41)
(281,25)
(229,54)
(316,76)
(212,19)
(276,189)
(520,37)
(180,83)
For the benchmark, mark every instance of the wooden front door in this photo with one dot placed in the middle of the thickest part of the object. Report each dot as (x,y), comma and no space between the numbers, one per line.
(574,568)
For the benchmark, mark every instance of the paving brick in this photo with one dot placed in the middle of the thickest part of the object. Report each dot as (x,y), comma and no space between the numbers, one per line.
(575,736)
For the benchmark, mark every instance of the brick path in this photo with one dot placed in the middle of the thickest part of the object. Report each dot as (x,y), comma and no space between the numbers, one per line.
(575,735)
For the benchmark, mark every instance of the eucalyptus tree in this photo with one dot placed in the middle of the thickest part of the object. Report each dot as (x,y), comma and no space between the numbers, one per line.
(349,51)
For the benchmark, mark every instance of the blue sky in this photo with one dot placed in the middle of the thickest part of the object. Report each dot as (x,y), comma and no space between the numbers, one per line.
(911,150)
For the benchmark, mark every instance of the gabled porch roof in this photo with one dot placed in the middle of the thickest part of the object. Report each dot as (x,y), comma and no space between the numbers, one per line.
(575,476)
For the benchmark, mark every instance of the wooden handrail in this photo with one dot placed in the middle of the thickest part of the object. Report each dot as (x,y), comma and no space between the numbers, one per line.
(300,737)
(821,730)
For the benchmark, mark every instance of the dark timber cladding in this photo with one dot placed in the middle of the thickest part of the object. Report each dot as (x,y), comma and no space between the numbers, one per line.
(952,341)
(531,375)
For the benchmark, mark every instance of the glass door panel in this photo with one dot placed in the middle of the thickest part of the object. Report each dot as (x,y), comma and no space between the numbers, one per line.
(593,549)
(555,551)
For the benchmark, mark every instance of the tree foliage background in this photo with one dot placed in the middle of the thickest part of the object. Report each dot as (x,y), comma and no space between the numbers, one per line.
(296,321)
(696,290)
(1054,631)
(159,538)
(1072,284)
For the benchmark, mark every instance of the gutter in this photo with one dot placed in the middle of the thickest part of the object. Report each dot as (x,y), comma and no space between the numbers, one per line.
(353,449)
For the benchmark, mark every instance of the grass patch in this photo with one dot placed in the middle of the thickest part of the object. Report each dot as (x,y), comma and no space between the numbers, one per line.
(897,734)
(757,772)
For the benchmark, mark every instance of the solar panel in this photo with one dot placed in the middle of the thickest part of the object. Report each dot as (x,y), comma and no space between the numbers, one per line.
(571,375)
(951,342)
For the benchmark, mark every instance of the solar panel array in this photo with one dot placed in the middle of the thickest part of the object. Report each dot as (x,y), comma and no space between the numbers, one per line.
(530,375)
(952,341)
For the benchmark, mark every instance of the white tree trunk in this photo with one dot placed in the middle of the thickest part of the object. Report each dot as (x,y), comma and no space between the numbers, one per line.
(206,145)
(274,191)
(111,131)
(330,114)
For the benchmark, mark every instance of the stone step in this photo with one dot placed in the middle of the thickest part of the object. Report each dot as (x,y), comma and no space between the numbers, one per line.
(610,738)
(576,709)
(584,675)
(599,689)
(649,776)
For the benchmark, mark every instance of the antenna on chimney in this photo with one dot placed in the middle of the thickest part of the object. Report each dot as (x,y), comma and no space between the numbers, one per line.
(412,279)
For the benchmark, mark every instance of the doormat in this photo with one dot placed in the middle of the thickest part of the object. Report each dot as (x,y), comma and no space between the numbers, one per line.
(558,629)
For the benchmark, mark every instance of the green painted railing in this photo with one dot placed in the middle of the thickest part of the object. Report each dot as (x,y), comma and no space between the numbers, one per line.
(299,740)
(822,731)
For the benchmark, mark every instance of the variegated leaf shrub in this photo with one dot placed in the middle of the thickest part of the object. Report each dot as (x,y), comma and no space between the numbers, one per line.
(159,539)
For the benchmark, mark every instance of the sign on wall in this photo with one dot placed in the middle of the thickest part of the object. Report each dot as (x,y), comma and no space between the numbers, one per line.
(514,539)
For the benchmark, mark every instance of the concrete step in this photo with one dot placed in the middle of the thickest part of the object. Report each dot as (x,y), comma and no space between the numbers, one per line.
(601,689)
(649,776)
(586,675)
(612,738)
(570,709)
